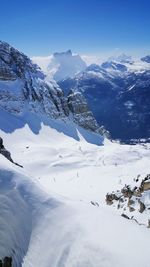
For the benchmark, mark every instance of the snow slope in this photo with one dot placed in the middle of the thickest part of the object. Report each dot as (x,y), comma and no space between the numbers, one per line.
(54,223)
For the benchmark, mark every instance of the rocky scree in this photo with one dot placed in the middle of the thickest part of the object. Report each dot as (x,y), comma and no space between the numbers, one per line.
(133,200)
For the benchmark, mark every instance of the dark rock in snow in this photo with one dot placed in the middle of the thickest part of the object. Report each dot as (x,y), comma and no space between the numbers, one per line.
(6,153)
(142,206)
(6,262)
(125,216)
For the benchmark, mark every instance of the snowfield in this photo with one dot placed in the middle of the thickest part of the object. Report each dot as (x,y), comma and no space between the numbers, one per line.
(46,215)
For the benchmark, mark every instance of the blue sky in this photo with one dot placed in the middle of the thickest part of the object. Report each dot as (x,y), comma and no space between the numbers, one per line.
(86,26)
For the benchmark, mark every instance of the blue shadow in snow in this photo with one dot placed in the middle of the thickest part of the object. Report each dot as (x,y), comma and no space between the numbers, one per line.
(10,122)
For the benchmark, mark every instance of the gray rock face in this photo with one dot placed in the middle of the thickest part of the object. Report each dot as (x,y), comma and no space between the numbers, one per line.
(82,115)
(5,72)
(22,84)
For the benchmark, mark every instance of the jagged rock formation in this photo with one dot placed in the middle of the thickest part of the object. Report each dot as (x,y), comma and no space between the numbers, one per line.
(82,115)
(78,106)
(27,85)
(23,87)
(6,153)
(133,199)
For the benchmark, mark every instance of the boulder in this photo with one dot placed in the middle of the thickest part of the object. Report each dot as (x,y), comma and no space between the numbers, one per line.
(142,206)
(6,262)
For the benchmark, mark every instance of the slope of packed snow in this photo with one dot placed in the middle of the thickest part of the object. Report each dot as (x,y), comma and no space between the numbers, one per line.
(65,168)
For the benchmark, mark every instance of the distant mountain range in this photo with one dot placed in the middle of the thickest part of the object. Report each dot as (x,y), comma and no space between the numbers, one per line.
(117,91)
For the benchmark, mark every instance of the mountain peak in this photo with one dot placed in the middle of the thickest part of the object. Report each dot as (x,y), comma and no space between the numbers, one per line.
(122,58)
(59,54)
(146,59)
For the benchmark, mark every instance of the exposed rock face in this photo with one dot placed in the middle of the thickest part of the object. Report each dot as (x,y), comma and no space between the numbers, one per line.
(146,186)
(82,115)
(23,87)
(4,152)
(22,83)
(5,72)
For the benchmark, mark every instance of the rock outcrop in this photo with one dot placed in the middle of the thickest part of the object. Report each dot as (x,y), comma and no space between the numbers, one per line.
(79,108)
(133,200)
(6,262)
(6,153)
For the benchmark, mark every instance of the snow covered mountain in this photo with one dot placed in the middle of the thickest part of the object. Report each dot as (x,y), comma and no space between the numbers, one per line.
(53,210)
(61,65)
(122,58)
(146,59)
(24,88)
(55,176)
(118,95)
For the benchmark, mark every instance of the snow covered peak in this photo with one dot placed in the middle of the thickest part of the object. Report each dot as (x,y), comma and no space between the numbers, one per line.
(67,65)
(112,65)
(146,59)
(61,65)
(94,67)
(122,58)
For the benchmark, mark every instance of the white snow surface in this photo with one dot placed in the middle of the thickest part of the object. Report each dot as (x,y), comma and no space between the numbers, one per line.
(46,218)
